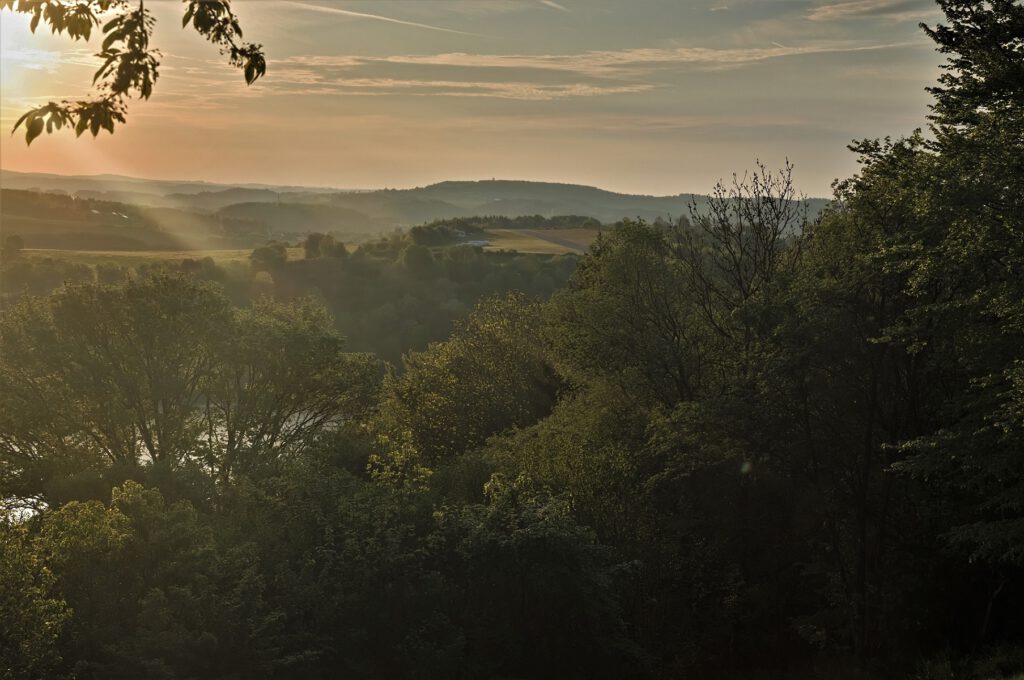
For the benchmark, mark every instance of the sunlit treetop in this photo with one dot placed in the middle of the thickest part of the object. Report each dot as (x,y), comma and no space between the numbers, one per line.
(129,66)
(984,71)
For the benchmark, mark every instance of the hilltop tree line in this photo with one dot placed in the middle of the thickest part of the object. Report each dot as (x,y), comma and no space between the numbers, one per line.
(461,229)
(743,445)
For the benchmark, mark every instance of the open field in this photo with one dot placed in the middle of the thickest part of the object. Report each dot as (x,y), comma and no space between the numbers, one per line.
(541,241)
(132,258)
(549,241)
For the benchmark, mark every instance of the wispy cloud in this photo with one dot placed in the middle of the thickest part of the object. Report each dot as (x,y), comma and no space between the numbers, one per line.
(333,77)
(889,9)
(374,17)
(519,76)
(611,124)
(525,91)
(543,77)
(45,60)
(554,5)
(601,64)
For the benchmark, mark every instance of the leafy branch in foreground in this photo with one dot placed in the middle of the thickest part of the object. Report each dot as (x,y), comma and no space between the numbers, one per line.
(130,68)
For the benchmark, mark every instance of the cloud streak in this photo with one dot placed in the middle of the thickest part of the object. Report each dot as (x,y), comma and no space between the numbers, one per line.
(47,60)
(600,64)
(375,17)
(519,76)
(854,9)
(524,91)
(543,77)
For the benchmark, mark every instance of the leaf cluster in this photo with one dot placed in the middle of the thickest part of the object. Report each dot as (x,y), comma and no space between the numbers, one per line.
(130,67)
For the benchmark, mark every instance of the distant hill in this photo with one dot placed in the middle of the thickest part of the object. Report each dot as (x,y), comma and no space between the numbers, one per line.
(211,215)
(35,181)
(299,218)
(511,198)
(55,221)
(516,198)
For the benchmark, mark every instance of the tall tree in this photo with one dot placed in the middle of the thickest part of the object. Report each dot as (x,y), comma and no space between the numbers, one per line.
(968,270)
(160,372)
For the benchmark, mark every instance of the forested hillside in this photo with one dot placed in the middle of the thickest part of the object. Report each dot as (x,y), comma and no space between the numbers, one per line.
(756,442)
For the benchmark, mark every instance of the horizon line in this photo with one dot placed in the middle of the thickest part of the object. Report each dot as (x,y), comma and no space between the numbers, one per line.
(362,189)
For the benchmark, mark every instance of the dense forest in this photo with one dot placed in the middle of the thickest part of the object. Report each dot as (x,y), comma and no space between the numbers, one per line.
(751,443)
(387,296)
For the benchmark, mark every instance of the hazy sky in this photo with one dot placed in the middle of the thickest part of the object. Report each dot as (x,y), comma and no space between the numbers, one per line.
(641,96)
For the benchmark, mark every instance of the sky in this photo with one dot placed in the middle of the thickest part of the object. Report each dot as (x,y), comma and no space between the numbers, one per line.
(638,96)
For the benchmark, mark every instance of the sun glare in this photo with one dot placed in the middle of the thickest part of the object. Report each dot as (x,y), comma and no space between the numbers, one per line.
(18,59)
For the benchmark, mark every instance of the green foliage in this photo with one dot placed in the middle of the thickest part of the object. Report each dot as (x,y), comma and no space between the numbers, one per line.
(586,448)
(1000,663)
(660,413)
(418,261)
(736,446)
(458,229)
(39,277)
(145,581)
(13,245)
(391,301)
(625,314)
(323,245)
(962,248)
(442,233)
(281,379)
(490,376)
(33,617)
(538,589)
(114,370)
(311,245)
(982,78)
(161,372)
(269,257)
(467,226)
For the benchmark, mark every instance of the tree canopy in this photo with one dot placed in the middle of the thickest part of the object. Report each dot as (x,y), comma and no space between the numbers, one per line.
(744,445)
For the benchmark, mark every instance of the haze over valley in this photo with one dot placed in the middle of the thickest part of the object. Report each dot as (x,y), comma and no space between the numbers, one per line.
(512,339)
(121,213)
